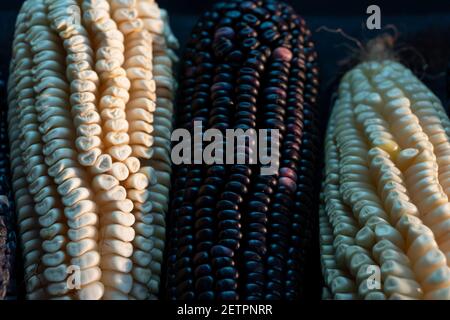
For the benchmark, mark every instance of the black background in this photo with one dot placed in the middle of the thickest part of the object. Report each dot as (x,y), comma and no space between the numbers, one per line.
(423,26)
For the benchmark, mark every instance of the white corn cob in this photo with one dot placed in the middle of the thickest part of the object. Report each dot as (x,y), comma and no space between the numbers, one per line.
(385,194)
(85,108)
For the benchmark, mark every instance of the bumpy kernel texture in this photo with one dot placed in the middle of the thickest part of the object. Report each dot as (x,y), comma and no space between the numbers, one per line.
(7,218)
(90,115)
(236,234)
(385,213)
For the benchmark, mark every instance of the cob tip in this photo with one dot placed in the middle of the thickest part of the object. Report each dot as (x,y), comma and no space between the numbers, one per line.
(379,48)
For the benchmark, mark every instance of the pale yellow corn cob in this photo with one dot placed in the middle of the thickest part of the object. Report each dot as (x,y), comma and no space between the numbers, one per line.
(385,213)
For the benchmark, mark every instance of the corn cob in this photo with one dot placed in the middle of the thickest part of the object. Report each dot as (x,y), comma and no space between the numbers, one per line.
(236,234)
(90,90)
(7,234)
(448,83)
(384,217)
